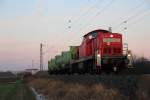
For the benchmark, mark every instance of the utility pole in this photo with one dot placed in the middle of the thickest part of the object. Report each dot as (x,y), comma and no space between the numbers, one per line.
(41,57)
(32,63)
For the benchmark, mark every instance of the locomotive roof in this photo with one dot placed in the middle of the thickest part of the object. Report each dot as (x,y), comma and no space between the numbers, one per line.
(101,30)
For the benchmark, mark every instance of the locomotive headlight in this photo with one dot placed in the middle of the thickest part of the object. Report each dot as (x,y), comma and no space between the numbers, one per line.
(98,55)
(111,36)
(98,60)
(129,55)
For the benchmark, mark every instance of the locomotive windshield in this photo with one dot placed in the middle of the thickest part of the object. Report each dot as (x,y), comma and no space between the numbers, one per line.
(111,40)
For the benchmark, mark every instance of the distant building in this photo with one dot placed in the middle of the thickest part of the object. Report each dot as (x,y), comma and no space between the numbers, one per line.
(32,71)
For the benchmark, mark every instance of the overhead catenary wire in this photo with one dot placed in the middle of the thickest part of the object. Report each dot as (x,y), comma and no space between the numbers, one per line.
(141,18)
(87,11)
(72,23)
(97,14)
(137,20)
(133,16)
(75,20)
(132,10)
(129,19)
(103,9)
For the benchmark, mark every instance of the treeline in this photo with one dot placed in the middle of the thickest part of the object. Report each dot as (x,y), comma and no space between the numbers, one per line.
(142,65)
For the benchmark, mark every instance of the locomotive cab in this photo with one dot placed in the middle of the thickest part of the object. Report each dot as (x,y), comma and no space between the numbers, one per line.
(112,57)
(106,48)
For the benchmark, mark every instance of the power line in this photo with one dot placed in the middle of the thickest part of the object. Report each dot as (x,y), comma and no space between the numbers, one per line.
(98,13)
(86,12)
(103,9)
(130,18)
(140,19)
(130,11)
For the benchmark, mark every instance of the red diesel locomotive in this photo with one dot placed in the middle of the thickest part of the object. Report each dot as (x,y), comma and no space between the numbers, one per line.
(100,50)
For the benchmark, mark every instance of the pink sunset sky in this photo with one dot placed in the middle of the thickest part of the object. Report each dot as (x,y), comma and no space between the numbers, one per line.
(26,24)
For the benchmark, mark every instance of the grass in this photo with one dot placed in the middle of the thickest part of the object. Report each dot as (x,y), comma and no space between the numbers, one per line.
(16,91)
(55,89)
(59,90)
(5,89)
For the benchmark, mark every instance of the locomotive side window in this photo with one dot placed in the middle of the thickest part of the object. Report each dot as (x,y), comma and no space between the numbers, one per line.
(93,35)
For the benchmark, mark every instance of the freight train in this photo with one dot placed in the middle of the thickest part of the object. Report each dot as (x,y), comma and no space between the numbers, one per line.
(100,50)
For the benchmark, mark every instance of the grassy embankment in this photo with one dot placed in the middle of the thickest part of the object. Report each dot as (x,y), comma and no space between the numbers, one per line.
(61,90)
(16,91)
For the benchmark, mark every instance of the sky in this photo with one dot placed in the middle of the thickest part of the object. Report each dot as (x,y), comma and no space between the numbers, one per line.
(24,24)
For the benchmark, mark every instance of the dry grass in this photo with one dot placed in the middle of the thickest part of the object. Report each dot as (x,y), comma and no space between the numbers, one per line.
(143,91)
(56,89)
(59,90)
(141,95)
(102,93)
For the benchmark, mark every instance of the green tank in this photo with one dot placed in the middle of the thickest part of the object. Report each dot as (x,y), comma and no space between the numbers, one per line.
(74,50)
(58,59)
(51,64)
(66,57)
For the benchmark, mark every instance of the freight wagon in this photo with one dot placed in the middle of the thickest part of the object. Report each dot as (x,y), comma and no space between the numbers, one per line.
(100,50)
